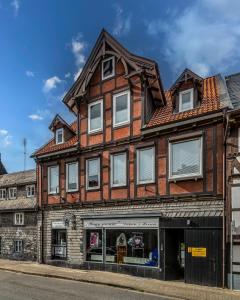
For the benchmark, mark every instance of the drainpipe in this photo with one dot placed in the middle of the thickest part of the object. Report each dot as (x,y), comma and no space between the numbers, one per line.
(42,218)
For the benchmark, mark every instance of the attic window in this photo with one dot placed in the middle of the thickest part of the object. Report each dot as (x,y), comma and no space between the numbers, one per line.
(108,68)
(186,100)
(59,136)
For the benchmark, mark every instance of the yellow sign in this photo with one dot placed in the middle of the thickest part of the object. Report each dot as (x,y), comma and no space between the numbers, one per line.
(199,252)
(189,249)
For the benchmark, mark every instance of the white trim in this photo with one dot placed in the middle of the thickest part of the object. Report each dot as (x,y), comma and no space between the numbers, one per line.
(112,169)
(153,166)
(113,64)
(121,223)
(89,116)
(9,196)
(180,99)
(21,220)
(77,177)
(56,137)
(1,191)
(185,176)
(30,186)
(49,181)
(114,108)
(98,186)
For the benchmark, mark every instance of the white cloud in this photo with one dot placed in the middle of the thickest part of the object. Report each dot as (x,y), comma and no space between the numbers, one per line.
(78,46)
(16,5)
(35,117)
(51,83)
(29,73)
(122,23)
(67,75)
(204,37)
(5,138)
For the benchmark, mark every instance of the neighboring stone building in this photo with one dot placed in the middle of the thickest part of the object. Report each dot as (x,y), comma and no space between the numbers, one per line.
(18,216)
(135,184)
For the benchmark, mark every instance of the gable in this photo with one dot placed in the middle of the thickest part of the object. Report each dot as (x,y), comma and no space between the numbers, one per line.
(106,46)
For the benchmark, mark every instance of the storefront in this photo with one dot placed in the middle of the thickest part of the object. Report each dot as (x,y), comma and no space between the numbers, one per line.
(59,240)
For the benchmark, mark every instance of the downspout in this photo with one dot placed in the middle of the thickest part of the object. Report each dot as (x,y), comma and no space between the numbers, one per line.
(42,219)
(225,118)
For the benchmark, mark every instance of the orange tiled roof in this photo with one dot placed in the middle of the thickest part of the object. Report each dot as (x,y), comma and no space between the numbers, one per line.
(52,147)
(209,103)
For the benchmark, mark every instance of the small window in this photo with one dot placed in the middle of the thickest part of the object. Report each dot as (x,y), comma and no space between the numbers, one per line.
(108,68)
(121,109)
(30,190)
(3,194)
(95,117)
(53,180)
(186,100)
(185,158)
(93,173)
(59,136)
(118,169)
(12,193)
(72,177)
(145,165)
(19,219)
(18,246)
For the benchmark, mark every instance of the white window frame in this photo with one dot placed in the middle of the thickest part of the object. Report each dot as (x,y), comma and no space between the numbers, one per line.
(30,187)
(89,115)
(19,223)
(9,193)
(113,64)
(18,244)
(57,132)
(1,194)
(114,108)
(99,177)
(180,99)
(77,177)
(185,176)
(112,169)
(49,172)
(153,166)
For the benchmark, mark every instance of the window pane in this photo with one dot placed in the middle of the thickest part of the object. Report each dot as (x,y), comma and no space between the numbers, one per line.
(146,165)
(93,173)
(53,180)
(95,117)
(186,158)
(107,68)
(121,107)
(94,245)
(72,176)
(119,169)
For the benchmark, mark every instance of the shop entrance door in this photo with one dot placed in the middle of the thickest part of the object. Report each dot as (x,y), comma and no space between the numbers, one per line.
(174,254)
(203,256)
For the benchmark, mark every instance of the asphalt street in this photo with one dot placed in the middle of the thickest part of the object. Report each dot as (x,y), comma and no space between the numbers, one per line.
(15,286)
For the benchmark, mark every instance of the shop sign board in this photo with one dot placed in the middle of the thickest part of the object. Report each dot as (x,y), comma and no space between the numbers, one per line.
(122,223)
(58,225)
(199,252)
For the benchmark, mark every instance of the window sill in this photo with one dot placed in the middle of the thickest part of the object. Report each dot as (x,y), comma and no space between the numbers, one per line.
(146,183)
(72,191)
(97,189)
(121,125)
(99,131)
(114,187)
(185,178)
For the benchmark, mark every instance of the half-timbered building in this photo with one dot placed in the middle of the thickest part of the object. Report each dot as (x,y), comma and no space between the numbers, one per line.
(135,183)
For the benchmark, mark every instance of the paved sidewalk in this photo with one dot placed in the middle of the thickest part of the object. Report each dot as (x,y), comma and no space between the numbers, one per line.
(165,288)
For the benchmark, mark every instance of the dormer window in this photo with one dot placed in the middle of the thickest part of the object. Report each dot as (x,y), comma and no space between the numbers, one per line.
(186,100)
(108,68)
(59,136)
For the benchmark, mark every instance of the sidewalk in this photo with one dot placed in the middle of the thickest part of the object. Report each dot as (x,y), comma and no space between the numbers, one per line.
(165,288)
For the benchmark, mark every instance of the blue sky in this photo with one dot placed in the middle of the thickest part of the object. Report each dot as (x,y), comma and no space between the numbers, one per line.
(44,44)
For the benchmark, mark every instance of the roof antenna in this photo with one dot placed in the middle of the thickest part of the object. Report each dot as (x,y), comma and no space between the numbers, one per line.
(25,153)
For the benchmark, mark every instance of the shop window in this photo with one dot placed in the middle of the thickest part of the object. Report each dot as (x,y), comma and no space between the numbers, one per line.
(185,158)
(94,245)
(145,165)
(121,109)
(53,180)
(132,246)
(12,193)
(186,100)
(19,218)
(118,169)
(2,194)
(95,117)
(72,177)
(59,243)
(30,190)
(18,246)
(108,66)
(93,173)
